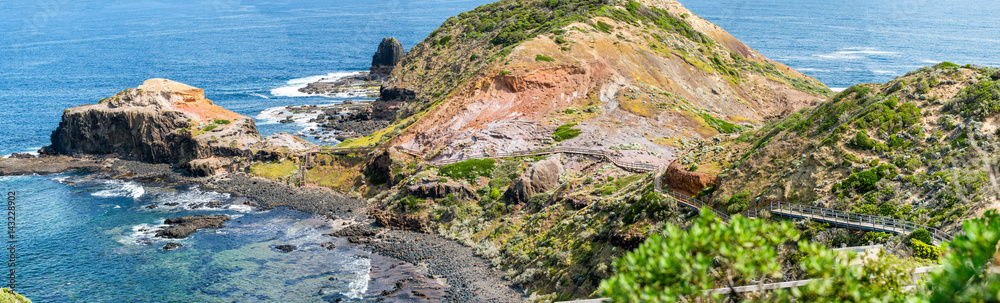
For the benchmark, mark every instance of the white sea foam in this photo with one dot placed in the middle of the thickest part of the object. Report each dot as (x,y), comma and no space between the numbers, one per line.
(31,151)
(259,95)
(142,234)
(930,61)
(883,72)
(119,188)
(854,53)
(358,286)
(240,208)
(193,198)
(291,88)
(60,179)
(837,89)
(810,69)
(280,113)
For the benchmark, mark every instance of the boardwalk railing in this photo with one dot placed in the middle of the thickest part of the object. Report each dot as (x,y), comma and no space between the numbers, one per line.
(853,220)
(345,150)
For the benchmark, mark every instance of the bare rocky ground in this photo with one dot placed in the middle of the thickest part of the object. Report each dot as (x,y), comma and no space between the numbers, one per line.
(472,278)
(411,266)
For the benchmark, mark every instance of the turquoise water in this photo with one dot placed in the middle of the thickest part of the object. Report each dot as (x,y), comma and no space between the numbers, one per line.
(85,239)
(82,240)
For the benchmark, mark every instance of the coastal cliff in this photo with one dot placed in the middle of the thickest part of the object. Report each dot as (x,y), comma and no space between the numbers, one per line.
(161,121)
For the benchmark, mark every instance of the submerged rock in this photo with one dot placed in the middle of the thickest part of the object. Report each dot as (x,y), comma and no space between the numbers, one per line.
(172,246)
(185,226)
(285,248)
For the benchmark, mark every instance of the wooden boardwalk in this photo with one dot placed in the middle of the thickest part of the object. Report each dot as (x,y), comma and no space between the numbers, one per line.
(851,220)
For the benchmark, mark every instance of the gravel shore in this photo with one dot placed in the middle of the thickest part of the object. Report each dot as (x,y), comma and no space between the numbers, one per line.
(411,265)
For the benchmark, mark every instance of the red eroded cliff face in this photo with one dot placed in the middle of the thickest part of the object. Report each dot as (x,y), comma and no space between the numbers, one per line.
(623,82)
(687,182)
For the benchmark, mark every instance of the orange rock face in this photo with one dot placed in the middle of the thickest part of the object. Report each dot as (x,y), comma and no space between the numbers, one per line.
(189,99)
(687,182)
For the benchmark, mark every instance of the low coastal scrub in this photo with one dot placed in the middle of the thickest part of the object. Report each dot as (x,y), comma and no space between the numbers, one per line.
(915,148)
(560,242)
(274,170)
(565,132)
(544,58)
(721,125)
(9,296)
(469,169)
(679,264)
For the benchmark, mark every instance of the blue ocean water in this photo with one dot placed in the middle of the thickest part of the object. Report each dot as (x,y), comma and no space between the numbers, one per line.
(842,43)
(80,237)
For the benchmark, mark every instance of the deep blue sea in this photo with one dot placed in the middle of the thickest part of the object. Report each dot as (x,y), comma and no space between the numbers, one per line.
(85,239)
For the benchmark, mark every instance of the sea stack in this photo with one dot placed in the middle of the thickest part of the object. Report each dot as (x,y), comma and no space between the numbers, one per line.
(389,53)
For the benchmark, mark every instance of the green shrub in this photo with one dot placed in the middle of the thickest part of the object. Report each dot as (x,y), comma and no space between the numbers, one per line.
(921,234)
(967,275)
(222,121)
(565,132)
(209,127)
(947,64)
(924,250)
(544,58)
(681,262)
(721,125)
(602,26)
(876,237)
(495,193)
(862,141)
(469,169)
(864,181)
(608,190)
(444,40)
(979,100)
(473,57)
(738,202)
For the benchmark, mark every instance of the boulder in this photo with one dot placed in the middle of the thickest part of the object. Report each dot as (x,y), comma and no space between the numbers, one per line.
(185,226)
(389,53)
(435,189)
(161,121)
(540,177)
(687,182)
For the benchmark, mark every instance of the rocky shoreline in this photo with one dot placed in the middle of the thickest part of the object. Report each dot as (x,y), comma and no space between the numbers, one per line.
(406,266)
(336,121)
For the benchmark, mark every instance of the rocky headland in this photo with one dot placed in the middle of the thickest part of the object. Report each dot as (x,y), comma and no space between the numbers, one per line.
(166,133)
(645,82)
